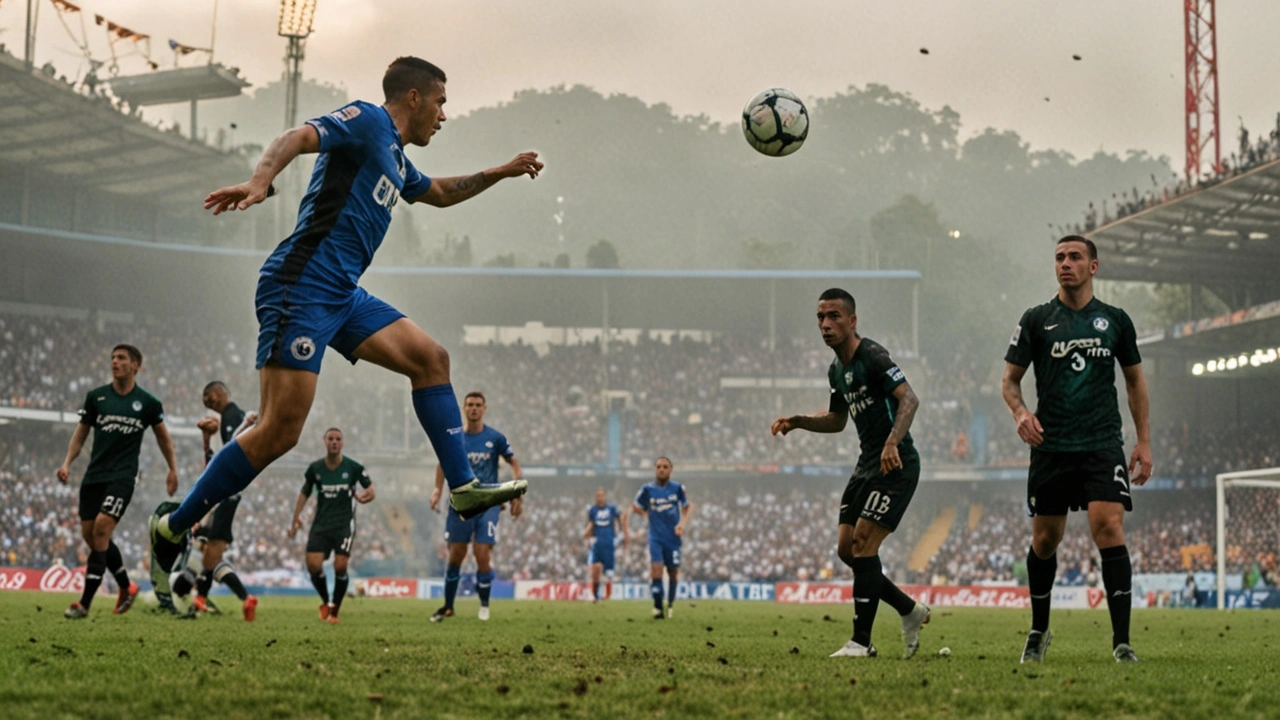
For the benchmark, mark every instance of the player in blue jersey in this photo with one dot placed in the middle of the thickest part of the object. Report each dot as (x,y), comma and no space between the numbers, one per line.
(667,506)
(308,295)
(603,519)
(484,446)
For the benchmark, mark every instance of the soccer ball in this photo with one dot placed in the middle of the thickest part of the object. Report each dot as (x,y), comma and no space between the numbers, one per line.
(775,122)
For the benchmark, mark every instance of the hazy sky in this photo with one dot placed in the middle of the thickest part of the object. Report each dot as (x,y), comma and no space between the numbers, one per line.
(994,61)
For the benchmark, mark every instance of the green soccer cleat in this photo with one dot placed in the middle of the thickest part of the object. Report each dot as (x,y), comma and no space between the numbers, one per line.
(76,612)
(1124,654)
(472,499)
(162,527)
(1037,645)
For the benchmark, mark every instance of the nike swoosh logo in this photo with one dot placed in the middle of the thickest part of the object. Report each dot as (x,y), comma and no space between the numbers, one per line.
(1050,327)
(842,507)
(862,600)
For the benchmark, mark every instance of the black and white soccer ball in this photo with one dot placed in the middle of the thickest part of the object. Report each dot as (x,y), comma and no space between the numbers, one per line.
(775,122)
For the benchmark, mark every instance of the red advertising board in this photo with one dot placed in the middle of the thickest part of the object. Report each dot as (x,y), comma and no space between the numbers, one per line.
(935,596)
(814,593)
(390,588)
(58,578)
(547,590)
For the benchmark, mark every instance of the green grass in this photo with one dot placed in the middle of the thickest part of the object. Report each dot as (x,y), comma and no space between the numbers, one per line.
(714,659)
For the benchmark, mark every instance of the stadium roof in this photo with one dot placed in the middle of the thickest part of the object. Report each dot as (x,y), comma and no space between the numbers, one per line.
(1225,234)
(180,279)
(48,127)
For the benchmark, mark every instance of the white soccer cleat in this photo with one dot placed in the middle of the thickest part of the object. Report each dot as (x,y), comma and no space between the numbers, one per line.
(669,609)
(484,612)
(658,614)
(911,624)
(853,649)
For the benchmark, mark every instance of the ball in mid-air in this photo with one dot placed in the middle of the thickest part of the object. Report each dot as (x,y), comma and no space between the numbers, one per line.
(775,122)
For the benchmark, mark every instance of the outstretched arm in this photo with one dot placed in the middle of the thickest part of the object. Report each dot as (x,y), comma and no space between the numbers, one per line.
(448,191)
(827,422)
(1140,463)
(278,155)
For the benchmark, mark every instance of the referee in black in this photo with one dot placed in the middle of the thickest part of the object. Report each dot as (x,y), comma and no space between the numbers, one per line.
(1075,434)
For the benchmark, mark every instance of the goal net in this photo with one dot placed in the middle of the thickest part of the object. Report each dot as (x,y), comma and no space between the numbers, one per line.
(1248,515)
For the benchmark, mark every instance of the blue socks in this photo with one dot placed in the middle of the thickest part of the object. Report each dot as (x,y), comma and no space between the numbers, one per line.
(484,584)
(655,587)
(437,410)
(452,575)
(671,592)
(227,474)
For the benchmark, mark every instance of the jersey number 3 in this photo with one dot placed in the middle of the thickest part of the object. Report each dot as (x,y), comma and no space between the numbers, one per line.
(1077,362)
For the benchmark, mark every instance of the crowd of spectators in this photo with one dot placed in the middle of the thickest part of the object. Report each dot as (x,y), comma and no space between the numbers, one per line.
(669,398)
(1250,154)
(39,523)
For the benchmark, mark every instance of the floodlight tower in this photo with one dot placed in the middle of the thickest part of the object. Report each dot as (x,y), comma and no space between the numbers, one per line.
(295,24)
(1201,55)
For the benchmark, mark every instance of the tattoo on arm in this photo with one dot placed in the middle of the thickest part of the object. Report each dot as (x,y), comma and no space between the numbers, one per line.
(907,406)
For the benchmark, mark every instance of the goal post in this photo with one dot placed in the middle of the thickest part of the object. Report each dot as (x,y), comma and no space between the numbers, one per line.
(1263,478)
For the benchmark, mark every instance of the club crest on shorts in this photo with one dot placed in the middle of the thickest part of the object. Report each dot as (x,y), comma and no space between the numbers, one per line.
(848,378)
(137,406)
(1100,324)
(302,348)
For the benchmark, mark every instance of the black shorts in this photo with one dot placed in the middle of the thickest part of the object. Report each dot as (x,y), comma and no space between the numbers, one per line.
(109,498)
(1059,482)
(219,527)
(880,498)
(336,541)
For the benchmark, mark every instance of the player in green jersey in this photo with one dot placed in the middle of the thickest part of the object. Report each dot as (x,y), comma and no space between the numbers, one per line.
(118,413)
(333,529)
(869,387)
(1077,447)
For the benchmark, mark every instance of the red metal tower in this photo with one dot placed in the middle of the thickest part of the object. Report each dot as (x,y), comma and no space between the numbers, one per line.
(1203,127)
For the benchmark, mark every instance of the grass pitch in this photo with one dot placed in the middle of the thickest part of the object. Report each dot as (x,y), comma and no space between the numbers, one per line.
(713,659)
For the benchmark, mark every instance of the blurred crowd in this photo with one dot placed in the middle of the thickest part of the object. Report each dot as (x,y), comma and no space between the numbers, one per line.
(1250,154)
(39,523)
(676,398)
(690,399)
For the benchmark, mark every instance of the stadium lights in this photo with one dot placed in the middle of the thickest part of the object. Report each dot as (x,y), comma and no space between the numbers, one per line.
(295,18)
(1256,359)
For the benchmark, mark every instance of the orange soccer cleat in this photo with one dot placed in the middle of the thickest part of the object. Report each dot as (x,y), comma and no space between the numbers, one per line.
(250,608)
(125,600)
(325,610)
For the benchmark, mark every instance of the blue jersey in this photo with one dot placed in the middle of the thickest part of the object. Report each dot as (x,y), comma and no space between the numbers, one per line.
(602,519)
(361,173)
(663,503)
(483,450)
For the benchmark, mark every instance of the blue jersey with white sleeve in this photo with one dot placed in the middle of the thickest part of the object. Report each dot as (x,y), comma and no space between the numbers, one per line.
(602,523)
(663,503)
(483,450)
(359,176)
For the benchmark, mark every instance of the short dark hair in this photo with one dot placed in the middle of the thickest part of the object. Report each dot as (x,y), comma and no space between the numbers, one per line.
(664,457)
(475,393)
(333,429)
(1093,249)
(409,73)
(215,384)
(840,294)
(134,353)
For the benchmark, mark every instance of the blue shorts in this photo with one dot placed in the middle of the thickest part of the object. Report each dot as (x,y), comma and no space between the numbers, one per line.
(667,553)
(602,553)
(295,324)
(481,529)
